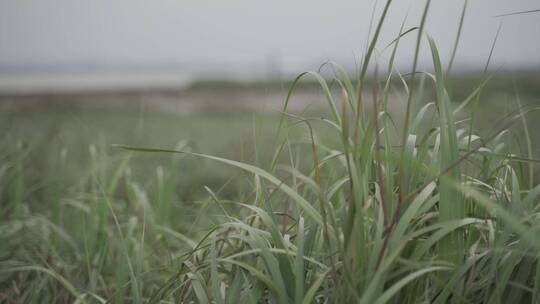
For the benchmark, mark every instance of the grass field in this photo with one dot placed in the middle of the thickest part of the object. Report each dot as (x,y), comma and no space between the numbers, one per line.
(417,188)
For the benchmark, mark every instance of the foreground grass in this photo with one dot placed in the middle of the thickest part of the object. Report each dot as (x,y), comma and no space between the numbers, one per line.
(348,208)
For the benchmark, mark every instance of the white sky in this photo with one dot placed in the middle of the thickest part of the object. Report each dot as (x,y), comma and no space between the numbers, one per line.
(236,35)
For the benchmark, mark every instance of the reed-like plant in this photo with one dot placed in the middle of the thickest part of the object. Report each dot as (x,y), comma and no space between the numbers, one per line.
(438,215)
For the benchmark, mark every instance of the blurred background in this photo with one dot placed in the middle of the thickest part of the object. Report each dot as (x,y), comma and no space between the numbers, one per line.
(60,46)
(76,73)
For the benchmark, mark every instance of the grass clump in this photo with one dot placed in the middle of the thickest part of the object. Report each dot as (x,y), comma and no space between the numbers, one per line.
(372,211)
(442,217)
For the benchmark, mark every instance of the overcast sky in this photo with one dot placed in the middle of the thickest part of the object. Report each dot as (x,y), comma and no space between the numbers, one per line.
(235,35)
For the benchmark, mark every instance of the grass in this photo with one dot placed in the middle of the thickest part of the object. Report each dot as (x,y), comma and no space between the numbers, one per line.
(356,206)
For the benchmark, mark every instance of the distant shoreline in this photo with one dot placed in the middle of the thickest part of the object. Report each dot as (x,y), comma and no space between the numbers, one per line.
(84,82)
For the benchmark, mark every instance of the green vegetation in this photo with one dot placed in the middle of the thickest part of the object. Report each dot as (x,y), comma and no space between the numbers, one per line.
(357,206)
